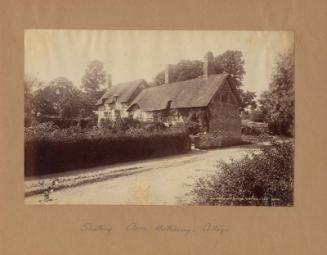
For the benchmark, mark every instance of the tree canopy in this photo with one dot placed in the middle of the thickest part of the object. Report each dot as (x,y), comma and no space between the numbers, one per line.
(277,103)
(231,62)
(183,70)
(60,98)
(94,77)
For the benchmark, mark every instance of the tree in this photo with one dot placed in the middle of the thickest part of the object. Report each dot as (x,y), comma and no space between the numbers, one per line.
(31,84)
(94,77)
(278,102)
(247,98)
(88,103)
(92,84)
(231,62)
(183,70)
(60,98)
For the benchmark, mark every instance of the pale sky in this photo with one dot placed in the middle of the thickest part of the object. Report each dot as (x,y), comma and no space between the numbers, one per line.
(135,54)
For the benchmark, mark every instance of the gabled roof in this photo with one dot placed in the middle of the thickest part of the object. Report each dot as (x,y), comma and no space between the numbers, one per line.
(185,94)
(124,92)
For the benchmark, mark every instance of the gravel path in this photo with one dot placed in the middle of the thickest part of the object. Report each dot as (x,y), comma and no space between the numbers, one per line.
(160,181)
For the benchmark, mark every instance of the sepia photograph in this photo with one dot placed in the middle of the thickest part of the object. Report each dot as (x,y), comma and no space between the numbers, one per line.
(159,117)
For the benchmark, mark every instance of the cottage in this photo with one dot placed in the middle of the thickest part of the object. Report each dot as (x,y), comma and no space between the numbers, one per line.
(115,101)
(211,100)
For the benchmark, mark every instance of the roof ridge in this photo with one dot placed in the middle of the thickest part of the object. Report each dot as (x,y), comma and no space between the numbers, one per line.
(197,93)
(199,77)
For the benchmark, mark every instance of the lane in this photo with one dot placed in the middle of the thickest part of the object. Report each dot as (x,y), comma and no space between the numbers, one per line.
(162,181)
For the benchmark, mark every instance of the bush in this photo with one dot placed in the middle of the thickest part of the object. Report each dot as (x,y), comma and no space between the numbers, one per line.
(125,124)
(192,127)
(106,123)
(56,150)
(281,128)
(154,126)
(215,140)
(251,130)
(60,122)
(257,116)
(259,179)
(88,122)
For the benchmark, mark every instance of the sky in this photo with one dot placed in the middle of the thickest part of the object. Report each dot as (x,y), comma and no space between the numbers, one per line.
(141,54)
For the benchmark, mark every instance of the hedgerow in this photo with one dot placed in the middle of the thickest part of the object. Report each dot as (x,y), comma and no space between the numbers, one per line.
(49,149)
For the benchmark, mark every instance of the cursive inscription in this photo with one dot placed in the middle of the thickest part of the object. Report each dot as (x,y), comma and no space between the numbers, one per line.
(174,228)
(135,227)
(209,228)
(90,227)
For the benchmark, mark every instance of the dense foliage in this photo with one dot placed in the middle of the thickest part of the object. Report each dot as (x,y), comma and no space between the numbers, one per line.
(277,104)
(49,149)
(232,62)
(61,99)
(264,178)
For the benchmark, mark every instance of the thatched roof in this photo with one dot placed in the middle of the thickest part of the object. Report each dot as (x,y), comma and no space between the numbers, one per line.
(123,91)
(185,94)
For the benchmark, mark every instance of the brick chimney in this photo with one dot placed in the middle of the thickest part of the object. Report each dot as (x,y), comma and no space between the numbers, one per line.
(109,81)
(208,65)
(168,74)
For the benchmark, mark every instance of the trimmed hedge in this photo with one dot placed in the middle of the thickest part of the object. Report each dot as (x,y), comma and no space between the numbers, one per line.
(45,154)
(64,123)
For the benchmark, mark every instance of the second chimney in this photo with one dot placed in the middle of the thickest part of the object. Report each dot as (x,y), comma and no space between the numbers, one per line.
(168,74)
(208,65)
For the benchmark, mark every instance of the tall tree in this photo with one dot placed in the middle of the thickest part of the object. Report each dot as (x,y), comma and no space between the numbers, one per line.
(60,98)
(93,85)
(278,102)
(231,62)
(94,77)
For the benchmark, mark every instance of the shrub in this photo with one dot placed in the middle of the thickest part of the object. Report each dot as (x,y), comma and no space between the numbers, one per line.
(60,122)
(125,124)
(215,140)
(154,126)
(264,178)
(251,130)
(257,116)
(88,122)
(281,128)
(192,127)
(209,140)
(106,123)
(62,150)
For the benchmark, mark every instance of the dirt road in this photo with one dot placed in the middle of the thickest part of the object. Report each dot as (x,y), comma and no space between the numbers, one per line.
(161,181)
